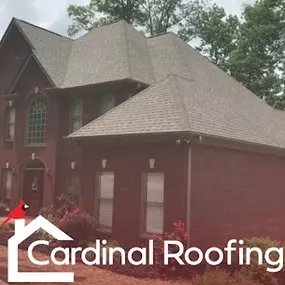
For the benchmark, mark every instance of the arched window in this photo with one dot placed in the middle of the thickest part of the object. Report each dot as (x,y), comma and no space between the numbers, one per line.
(37,122)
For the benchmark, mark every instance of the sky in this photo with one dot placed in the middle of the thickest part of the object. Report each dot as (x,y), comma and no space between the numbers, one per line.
(51,14)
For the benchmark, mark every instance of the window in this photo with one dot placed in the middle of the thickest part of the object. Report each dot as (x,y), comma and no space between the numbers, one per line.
(107,103)
(73,185)
(10,123)
(76,115)
(7,184)
(37,122)
(105,199)
(153,212)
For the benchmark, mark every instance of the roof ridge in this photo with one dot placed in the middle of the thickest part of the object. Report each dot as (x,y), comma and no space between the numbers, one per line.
(180,100)
(41,28)
(128,48)
(160,35)
(182,77)
(102,26)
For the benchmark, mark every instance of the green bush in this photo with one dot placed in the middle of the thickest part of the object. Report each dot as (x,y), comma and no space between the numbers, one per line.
(259,272)
(221,277)
(80,226)
(3,206)
(6,228)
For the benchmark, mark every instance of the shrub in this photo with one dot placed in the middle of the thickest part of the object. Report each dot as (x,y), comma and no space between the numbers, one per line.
(43,235)
(221,277)
(174,269)
(80,226)
(259,272)
(5,228)
(3,206)
(64,203)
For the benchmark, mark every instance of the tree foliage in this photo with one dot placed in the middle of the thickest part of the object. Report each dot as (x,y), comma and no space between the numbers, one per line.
(251,48)
(151,16)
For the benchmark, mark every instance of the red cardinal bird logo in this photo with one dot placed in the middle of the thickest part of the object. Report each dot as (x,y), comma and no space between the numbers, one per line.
(18,213)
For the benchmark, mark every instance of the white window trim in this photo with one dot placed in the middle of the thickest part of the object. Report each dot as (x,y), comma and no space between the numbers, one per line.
(160,203)
(10,122)
(7,187)
(103,197)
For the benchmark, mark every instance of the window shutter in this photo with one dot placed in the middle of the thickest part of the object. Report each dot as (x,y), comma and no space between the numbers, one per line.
(155,200)
(106,194)
(7,183)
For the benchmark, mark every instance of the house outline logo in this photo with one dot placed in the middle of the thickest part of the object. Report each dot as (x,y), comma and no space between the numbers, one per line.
(22,232)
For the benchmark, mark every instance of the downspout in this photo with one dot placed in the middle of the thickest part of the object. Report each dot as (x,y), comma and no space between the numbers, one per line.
(188,190)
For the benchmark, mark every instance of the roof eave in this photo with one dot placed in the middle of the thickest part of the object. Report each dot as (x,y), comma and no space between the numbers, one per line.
(194,138)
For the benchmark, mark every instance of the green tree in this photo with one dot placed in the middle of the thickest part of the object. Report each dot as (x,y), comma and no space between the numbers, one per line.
(151,16)
(217,33)
(251,49)
(258,59)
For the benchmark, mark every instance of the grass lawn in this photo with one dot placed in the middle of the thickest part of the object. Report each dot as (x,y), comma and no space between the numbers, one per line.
(84,275)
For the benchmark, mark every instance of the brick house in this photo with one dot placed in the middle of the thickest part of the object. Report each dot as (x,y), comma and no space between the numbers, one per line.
(142,131)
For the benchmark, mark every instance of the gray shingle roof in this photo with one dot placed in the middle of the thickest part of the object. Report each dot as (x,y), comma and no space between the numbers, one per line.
(179,105)
(109,53)
(52,50)
(198,97)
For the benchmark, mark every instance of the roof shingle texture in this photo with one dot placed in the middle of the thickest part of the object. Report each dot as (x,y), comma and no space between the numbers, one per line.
(197,97)
(178,105)
(52,50)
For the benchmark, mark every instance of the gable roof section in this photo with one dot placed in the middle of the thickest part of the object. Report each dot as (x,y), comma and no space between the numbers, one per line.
(178,105)
(108,53)
(51,50)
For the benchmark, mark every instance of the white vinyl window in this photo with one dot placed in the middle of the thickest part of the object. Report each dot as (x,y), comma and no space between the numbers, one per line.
(76,115)
(105,199)
(10,123)
(153,210)
(107,103)
(6,184)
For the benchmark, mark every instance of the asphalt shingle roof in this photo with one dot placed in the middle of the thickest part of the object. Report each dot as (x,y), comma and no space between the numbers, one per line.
(52,50)
(197,97)
(178,105)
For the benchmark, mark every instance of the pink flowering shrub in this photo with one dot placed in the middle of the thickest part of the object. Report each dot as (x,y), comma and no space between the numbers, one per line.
(174,269)
(64,204)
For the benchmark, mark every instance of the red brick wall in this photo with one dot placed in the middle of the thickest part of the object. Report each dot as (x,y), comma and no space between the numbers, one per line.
(16,152)
(236,194)
(13,54)
(68,150)
(58,153)
(128,163)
